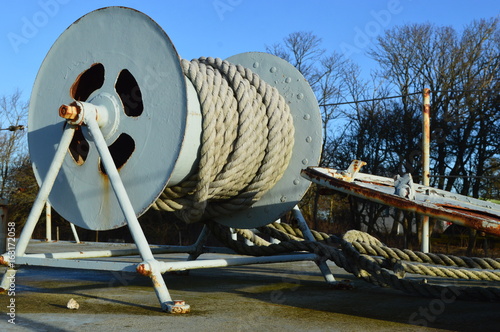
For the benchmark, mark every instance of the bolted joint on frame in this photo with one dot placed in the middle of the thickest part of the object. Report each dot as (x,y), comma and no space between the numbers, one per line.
(145,269)
(73,113)
(69,112)
(151,269)
(78,113)
(4,260)
(178,307)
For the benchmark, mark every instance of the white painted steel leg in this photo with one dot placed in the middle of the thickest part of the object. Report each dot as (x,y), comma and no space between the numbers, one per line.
(8,278)
(200,243)
(234,235)
(43,193)
(325,270)
(48,222)
(233,261)
(126,206)
(41,198)
(425,234)
(75,234)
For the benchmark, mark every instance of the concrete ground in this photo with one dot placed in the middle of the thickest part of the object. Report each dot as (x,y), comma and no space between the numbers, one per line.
(265,297)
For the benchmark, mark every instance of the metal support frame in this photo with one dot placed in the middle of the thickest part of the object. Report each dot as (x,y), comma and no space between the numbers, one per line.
(149,266)
(140,241)
(325,270)
(37,208)
(75,233)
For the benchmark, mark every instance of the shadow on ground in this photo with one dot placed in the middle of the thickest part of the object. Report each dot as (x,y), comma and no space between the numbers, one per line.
(279,296)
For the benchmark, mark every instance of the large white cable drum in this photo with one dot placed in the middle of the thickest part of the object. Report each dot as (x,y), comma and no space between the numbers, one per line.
(119,60)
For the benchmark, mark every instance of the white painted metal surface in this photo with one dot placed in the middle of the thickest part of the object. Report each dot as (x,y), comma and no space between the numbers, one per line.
(90,58)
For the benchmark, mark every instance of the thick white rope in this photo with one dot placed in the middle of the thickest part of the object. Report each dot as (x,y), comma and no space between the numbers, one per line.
(246,144)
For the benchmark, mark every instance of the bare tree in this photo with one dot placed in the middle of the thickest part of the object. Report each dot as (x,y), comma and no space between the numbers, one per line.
(462,72)
(323,72)
(13,147)
(491,188)
(301,49)
(325,75)
(23,189)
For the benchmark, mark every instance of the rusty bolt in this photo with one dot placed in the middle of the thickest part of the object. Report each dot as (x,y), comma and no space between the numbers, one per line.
(179,310)
(69,112)
(144,269)
(3,261)
(178,307)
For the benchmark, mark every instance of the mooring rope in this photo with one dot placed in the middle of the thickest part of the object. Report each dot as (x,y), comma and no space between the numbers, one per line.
(369,245)
(382,269)
(246,144)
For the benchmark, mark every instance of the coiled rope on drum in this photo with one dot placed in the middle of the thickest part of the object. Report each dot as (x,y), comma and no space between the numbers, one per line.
(246,142)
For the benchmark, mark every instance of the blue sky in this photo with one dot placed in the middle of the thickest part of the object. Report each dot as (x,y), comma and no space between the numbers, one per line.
(221,28)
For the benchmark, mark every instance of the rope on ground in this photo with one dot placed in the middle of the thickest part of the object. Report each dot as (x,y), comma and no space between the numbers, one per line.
(369,245)
(445,272)
(386,271)
(429,258)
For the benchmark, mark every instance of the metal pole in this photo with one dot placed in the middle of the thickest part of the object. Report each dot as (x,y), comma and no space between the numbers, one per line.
(126,205)
(236,261)
(41,199)
(325,270)
(48,222)
(75,234)
(199,244)
(43,193)
(119,189)
(426,138)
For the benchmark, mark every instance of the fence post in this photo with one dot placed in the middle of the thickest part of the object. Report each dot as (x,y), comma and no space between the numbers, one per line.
(48,222)
(426,138)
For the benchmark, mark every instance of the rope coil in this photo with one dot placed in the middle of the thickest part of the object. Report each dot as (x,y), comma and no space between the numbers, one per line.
(246,143)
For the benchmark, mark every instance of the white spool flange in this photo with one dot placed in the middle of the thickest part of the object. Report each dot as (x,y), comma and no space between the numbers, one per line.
(106,53)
